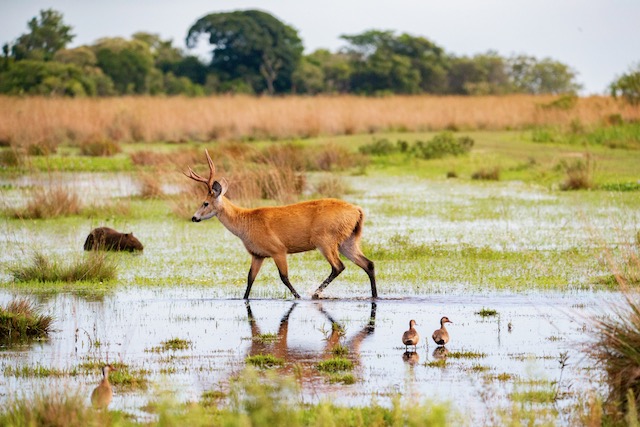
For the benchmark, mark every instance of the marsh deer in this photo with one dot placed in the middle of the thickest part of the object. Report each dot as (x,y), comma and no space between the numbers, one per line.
(332,226)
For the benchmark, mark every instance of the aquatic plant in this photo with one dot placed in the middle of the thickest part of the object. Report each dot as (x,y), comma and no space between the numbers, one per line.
(92,267)
(50,202)
(335,364)
(487,312)
(264,360)
(20,319)
(171,344)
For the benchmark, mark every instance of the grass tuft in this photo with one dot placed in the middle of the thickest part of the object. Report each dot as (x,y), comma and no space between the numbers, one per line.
(335,364)
(20,319)
(487,312)
(172,344)
(50,202)
(264,361)
(92,267)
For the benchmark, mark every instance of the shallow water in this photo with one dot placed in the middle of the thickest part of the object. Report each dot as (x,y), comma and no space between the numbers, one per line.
(525,340)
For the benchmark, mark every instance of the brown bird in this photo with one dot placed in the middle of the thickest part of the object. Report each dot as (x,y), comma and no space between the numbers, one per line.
(411,337)
(102,395)
(441,336)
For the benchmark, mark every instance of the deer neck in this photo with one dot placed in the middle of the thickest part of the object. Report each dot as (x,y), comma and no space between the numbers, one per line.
(232,217)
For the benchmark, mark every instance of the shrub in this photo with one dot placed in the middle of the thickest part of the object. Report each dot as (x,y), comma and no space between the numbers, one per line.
(579,174)
(100,148)
(20,320)
(492,174)
(379,147)
(331,186)
(442,145)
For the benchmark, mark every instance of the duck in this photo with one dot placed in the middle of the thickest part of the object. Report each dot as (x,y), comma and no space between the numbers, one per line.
(103,393)
(411,337)
(441,336)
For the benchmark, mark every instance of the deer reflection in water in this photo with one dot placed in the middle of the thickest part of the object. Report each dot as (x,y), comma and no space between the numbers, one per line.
(302,360)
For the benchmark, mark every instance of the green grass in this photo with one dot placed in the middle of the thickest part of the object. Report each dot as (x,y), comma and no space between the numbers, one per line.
(92,267)
(335,364)
(266,338)
(172,344)
(487,312)
(466,355)
(21,320)
(440,363)
(264,361)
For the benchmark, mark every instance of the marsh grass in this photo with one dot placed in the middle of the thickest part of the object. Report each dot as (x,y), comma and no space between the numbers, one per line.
(487,174)
(579,174)
(616,347)
(241,117)
(57,409)
(335,364)
(91,267)
(173,344)
(439,363)
(264,361)
(20,319)
(266,338)
(105,148)
(50,201)
(38,371)
(466,355)
(331,186)
(487,312)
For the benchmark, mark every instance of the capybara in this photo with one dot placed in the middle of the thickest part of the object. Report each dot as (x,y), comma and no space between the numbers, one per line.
(108,239)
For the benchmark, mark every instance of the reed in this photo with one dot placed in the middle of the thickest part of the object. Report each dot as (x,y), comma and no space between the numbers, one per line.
(38,120)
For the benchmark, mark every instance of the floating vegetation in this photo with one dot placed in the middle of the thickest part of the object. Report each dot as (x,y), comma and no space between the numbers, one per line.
(487,312)
(440,363)
(264,361)
(172,344)
(466,355)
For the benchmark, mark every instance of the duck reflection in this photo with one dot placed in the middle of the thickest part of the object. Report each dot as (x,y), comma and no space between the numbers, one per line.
(411,357)
(440,352)
(304,360)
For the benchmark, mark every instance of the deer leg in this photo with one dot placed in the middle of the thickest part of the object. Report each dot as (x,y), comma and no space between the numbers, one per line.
(283,269)
(351,250)
(337,267)
(256,263)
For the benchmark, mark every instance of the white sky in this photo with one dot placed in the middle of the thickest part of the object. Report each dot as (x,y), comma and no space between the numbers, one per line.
(600,39)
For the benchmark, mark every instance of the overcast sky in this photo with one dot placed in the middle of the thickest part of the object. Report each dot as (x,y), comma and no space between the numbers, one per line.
(600,39)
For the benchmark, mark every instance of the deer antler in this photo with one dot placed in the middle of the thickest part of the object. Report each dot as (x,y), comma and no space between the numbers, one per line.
(212,173)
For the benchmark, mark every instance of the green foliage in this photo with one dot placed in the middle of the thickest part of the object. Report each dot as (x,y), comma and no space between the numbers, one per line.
(335,364)
(487,312)
(379,147)
(47,35)
(442,145)
(93,267)
(127,62)
(20,319)
(264,361)
(627,86)
(48,78)
(250,46)
(545,76)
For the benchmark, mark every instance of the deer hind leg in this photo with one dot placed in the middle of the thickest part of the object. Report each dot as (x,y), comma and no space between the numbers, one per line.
(350,248)
(331,254)
(256,263)
(283,268)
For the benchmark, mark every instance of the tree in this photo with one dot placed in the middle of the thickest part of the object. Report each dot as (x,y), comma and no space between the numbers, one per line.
(47,35)
(483,74)
(627,86)
(250,46)
(382,61)
(46,78)
(546,76)
(129,63)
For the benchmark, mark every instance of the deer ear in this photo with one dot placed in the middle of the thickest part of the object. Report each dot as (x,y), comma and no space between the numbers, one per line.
(219,188)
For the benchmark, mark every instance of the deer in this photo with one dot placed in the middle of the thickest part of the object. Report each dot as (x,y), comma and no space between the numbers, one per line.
(331,226)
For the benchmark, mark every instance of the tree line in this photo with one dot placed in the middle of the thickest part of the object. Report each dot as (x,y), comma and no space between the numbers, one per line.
(253,52)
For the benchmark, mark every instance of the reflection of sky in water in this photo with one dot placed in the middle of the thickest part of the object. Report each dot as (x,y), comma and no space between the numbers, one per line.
(130,322)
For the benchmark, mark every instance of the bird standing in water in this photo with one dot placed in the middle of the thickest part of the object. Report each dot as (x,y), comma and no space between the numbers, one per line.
(441,336)
(411,337)
(102,395)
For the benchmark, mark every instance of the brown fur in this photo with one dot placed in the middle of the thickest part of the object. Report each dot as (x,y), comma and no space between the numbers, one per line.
(330,225)
(108,239)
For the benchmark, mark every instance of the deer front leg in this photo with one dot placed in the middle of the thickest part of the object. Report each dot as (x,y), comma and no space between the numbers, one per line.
(256,263)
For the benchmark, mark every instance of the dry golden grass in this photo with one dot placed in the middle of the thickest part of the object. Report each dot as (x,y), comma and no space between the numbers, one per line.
(37,120)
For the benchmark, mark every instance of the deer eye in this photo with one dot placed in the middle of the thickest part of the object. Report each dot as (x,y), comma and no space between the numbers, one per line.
(205,204)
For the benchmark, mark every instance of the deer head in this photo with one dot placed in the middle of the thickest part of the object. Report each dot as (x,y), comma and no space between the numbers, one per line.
(215,190)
